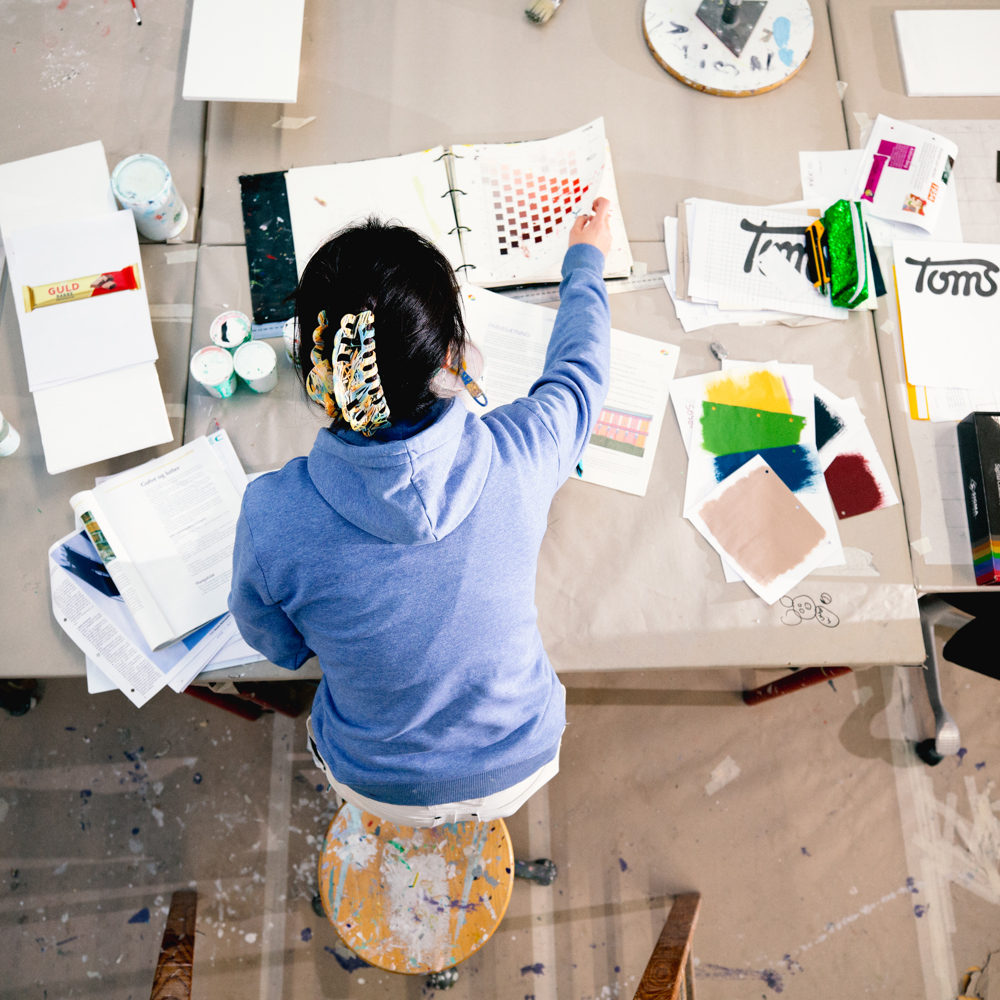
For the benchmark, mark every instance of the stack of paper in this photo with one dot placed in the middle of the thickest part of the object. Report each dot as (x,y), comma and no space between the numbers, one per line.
(513,338)
(90,362)
(756,487)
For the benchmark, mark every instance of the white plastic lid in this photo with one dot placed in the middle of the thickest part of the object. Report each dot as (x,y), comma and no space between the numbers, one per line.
(254,360)
(212,365)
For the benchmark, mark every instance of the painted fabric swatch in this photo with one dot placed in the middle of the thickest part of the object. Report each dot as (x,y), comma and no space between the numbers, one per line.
(729,429)
(756,387)
(857,478)
(762,529)
(794,465)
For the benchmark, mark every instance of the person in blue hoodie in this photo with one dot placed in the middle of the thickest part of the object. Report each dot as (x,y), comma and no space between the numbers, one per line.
(402,551)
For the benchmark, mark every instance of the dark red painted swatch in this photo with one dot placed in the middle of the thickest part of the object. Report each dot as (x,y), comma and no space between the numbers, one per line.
(852,486)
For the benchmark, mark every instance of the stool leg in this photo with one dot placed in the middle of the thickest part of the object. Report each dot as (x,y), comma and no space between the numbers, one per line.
(947,740)
(543,871)
(443,980)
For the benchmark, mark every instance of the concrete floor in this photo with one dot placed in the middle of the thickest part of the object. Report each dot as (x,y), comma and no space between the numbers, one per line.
(810,887)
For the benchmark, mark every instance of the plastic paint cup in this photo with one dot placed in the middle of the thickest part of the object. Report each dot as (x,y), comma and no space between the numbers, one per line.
(257,364)
(230,329)
(290,335)
(9,438)
(143,184)
(212,369)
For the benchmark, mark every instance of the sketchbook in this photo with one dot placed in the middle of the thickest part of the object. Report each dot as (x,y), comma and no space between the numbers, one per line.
(500,212)
(165,532)
(514,336)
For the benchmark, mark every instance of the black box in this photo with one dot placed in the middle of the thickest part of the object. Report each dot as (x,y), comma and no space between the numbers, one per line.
(979,453)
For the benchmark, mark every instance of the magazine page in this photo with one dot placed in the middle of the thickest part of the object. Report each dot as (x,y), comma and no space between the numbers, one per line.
(176,515)
(122,570)
(518,201)
(90,609)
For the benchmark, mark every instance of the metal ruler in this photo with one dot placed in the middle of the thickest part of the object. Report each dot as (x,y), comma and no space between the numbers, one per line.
(550,293)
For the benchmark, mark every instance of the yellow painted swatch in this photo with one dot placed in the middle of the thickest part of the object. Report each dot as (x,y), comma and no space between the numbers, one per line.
(758,388)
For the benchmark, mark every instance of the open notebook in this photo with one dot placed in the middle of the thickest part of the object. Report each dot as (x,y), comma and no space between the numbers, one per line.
(500,212)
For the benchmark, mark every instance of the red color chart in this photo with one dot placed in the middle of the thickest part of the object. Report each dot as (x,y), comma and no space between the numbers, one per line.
(530,205)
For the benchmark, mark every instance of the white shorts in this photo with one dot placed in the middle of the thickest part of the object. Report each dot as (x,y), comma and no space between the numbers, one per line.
(499,805)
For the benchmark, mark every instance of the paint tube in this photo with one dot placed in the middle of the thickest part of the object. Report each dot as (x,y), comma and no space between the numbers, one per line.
(36,296)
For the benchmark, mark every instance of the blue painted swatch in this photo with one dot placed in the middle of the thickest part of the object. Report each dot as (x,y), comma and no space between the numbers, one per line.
(794,464)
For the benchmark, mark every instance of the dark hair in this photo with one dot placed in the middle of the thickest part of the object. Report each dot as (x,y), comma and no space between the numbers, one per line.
(409,285)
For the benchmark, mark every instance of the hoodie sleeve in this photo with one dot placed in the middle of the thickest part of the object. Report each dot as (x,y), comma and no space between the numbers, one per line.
(567,398)
(259,618)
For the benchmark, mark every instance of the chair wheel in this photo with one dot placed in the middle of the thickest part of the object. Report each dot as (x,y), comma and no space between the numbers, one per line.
(543,871)
(443,980)
(317,905)
(927,752)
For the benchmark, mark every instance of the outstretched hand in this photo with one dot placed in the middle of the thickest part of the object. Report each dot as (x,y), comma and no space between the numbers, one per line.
(594,229)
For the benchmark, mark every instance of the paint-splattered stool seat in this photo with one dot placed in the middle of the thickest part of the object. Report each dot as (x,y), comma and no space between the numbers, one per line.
(414,901)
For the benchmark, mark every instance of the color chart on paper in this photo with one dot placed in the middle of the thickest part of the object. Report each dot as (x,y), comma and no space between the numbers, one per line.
(622,431)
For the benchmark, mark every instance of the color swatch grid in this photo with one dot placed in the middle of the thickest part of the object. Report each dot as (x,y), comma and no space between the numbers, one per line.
(622,431)
(530,204)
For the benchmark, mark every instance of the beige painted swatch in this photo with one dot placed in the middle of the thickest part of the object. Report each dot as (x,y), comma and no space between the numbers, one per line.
(762,525)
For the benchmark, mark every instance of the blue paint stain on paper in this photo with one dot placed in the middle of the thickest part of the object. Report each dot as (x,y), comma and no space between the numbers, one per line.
(770,977)
(981,765)
(142,917)
(307,934)
(346,958)
(795,465)
(623,864)
(961,755)
(805,851)
(919,910)
(538,969)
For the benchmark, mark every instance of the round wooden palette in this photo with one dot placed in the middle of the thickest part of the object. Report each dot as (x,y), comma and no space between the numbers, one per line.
(778,46)
(414,900)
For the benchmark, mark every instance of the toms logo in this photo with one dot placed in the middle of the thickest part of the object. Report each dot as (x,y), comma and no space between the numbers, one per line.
(790,248)
(940,280)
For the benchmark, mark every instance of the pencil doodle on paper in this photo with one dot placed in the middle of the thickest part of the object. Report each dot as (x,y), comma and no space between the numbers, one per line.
(804,608)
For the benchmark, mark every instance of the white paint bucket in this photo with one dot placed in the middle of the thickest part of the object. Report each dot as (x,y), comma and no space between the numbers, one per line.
(212,369)
(290,335)
(257,364)
(143,183)
(230,329)
(9,438)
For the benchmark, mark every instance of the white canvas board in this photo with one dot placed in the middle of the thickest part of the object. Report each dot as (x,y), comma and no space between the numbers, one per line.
(949,53)
(949,312)
(71,183)
(244,50)
(770,590)
(904,172)
(124,412)
(78,339)
(520,200)
(514,336)
(410,189)
(727,243)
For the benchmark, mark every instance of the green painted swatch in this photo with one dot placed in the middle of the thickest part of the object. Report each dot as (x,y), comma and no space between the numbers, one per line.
(728,429)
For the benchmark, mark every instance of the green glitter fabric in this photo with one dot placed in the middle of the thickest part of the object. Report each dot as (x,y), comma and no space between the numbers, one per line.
(849,262)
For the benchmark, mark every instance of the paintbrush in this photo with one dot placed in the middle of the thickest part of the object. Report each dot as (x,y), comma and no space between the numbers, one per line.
(135,10)
(541,10)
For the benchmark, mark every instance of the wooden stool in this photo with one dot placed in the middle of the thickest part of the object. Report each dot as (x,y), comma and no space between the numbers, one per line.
(414,901)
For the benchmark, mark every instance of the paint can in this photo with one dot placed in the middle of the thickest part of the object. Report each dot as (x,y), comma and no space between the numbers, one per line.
(230,329)
(257,364)
(290,335)
(212,369)
(9,438)
(143,183)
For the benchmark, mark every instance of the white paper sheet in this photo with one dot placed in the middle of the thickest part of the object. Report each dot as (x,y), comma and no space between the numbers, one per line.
(520,200)
(410,189)
(726,244)
(74,340)
(244,50)
(949,53)
(903,173)
(102,627)
(96,418)
(513,337)
(850,416)
(956,404)
(950,312)
(862,443)
(68,184)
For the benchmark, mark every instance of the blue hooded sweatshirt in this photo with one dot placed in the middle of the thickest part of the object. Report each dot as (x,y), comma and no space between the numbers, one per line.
(406,562)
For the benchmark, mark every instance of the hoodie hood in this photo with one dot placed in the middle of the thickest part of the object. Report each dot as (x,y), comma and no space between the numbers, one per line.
(410,491)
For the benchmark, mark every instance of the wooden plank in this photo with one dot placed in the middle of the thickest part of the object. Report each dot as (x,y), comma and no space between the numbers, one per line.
(174,968)
(664,974)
